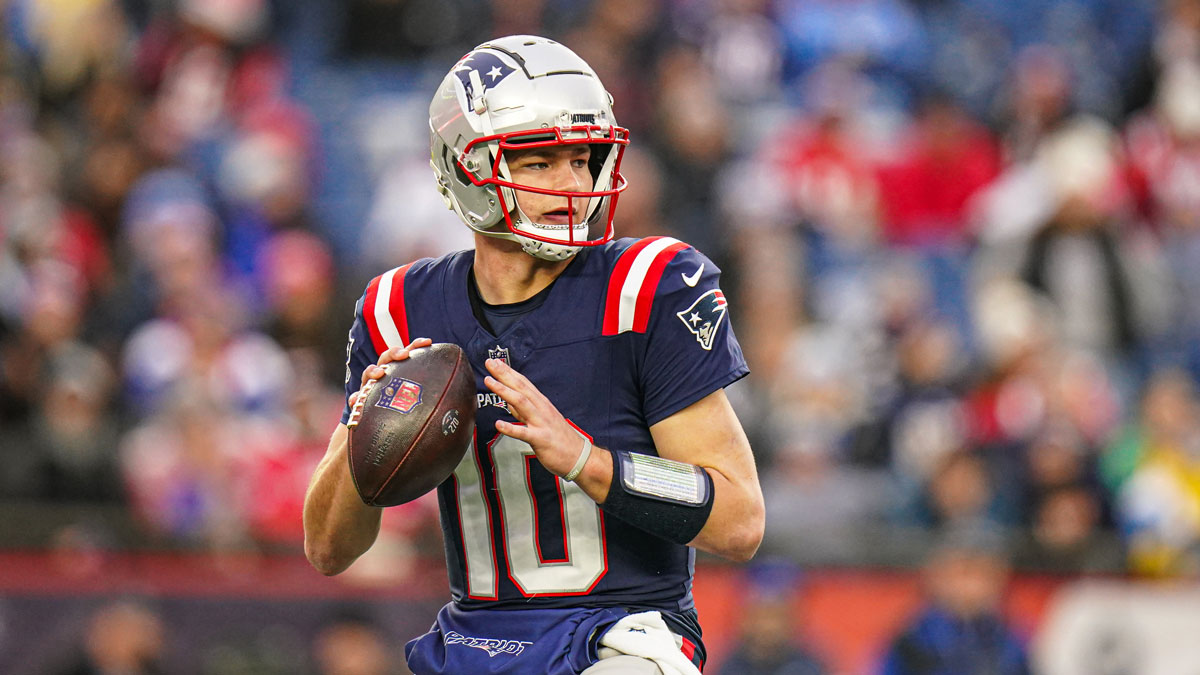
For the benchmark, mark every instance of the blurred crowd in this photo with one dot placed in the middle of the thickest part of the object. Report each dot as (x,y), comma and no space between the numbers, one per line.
(132,636)
(961,240)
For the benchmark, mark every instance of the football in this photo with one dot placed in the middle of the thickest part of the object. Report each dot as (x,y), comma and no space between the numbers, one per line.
(413,426)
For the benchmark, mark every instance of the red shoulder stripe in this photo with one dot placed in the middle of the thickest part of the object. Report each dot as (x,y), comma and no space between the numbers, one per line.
(641,315)
(634,282)
(612,304)
(383,310)
(369,316)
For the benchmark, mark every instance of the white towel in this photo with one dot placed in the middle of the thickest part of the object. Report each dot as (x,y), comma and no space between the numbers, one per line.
(646,635)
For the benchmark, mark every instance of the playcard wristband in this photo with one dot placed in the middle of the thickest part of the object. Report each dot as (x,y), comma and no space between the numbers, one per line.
(664,497)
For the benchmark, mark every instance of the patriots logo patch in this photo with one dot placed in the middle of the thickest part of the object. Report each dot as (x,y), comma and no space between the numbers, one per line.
(400,395)
(704,317)
(491,69)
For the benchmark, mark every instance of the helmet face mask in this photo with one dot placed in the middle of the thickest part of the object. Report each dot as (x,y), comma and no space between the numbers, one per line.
(521,93)
(600,204)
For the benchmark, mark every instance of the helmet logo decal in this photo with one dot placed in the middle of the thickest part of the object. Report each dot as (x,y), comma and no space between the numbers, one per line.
(490,68)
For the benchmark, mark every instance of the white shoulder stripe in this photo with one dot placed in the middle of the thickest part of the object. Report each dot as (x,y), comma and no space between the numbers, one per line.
(635,279)
(383,314)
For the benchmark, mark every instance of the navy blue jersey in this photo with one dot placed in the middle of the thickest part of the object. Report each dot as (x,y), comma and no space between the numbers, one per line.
(630,333)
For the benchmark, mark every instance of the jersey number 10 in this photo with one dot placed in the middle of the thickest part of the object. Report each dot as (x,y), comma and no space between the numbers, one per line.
(585,561)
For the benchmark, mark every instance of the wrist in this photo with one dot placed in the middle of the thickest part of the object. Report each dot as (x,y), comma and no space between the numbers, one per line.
(596,475)
(584,455)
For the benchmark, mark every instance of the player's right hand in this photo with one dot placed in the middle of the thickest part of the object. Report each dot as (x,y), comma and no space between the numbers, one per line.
(375,371)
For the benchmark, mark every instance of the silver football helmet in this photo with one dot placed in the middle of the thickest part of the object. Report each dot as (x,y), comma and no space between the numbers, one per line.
(523,92)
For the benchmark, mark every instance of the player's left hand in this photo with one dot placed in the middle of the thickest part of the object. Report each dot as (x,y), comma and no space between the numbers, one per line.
(556,443)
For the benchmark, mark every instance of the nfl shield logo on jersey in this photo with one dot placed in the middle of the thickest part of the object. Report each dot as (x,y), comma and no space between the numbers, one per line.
(704,317)
(500,353)
(400,395)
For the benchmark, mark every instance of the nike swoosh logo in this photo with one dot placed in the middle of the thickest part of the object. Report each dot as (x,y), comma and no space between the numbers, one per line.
(694,278)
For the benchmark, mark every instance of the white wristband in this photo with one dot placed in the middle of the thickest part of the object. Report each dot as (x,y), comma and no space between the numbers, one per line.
(579,463)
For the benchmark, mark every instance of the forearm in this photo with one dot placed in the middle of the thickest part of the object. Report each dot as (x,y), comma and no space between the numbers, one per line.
(338,526)
(733,526)
(707,434)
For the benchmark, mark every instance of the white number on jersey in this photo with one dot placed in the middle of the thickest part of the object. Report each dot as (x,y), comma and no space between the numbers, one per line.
(585,561)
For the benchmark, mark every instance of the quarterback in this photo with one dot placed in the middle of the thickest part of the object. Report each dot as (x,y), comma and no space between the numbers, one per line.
(605,449)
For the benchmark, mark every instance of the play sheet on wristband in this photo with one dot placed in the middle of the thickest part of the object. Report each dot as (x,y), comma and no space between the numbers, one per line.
(664,479)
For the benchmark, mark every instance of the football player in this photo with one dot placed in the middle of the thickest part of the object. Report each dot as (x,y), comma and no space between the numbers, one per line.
(605,449)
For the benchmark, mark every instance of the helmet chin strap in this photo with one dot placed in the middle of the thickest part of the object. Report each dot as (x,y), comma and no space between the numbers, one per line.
(541,249)
(544,251)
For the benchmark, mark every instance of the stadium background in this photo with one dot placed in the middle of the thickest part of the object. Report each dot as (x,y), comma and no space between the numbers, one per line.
(961,240)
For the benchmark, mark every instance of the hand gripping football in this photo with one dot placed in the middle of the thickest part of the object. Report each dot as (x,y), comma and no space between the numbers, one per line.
(413,426)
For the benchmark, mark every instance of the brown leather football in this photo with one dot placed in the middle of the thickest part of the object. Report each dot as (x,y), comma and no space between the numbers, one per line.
(413,426)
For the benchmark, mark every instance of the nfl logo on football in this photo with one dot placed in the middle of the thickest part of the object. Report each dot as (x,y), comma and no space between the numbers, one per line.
(400,395)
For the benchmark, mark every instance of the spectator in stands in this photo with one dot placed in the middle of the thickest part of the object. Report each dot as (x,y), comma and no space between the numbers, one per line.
(931,365)
(1152,470)
(204,343)
(204,63)
(1057,458)
(187,469)
(298,280)
(1037,102)
(1164,149)
(51,303)
(819,506)
(123,637)
(72,436)
(1065,535)
(945,157)
(265,180)
(1075,258)
(697,144)
(961,490)
(768,642)
(961,630)
(353,643)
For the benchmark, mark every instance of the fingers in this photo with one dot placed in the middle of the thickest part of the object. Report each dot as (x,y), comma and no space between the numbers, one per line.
(418,343)
(506,374)
(401,353)
(372,373)
(362,391)
(518,403)
(517,431)
(376,370)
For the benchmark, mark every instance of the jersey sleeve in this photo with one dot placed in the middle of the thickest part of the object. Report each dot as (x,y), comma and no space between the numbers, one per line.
(380,322)
(360,353)
(691,350)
